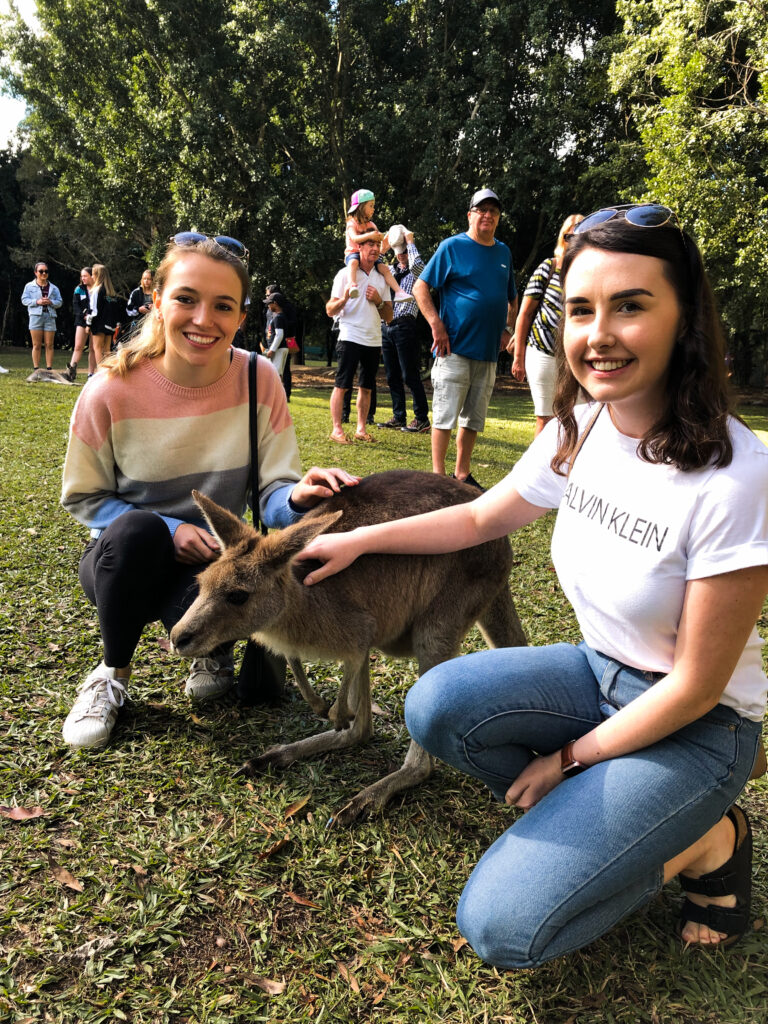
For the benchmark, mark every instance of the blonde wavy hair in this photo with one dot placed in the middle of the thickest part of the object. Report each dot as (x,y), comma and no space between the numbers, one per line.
(101,277)
(149,343)
(568,225)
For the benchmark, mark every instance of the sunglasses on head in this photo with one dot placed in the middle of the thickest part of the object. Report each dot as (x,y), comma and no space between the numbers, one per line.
(644,215)
(230,244)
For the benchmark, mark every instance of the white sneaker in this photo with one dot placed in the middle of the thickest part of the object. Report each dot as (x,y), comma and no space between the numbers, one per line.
(354,291)
(92,718)
(210,677)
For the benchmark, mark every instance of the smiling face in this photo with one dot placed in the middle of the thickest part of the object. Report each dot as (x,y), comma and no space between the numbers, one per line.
(86,278)
(622,319)
(365,211)
(41,273)
(201,308)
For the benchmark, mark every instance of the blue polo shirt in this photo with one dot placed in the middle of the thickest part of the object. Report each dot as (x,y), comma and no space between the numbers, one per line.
(475,283)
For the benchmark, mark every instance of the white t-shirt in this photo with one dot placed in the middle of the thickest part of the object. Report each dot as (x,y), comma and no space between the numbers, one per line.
(359,321)
(630,534)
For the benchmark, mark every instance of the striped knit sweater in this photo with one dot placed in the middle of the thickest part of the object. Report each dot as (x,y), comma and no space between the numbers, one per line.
(143,442)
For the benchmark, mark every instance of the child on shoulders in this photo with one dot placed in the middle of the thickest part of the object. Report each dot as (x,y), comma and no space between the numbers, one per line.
(360,228)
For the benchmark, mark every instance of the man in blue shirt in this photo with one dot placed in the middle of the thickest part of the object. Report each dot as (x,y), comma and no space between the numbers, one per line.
(473,274)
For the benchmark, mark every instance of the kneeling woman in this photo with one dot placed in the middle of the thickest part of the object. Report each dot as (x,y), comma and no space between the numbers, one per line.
(166,413)
(629,750)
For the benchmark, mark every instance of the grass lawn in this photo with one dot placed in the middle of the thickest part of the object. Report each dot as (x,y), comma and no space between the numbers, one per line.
(156,886)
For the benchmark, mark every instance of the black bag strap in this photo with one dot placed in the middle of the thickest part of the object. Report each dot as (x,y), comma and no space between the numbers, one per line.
(253,363)
(584,435)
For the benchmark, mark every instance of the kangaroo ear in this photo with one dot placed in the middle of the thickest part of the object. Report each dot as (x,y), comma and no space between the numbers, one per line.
(227,529)
(292,539)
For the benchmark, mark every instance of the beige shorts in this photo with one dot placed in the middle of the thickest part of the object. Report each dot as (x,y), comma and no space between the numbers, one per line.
(462,390)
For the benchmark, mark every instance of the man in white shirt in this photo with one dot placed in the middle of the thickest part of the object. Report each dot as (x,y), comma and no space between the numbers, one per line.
(359,337)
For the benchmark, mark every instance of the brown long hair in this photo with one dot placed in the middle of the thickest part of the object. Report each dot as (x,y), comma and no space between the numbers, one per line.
(150,341)
(692,431)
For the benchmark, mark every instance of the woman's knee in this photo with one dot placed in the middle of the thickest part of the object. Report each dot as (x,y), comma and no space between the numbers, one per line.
(429,713)
(496,934)
(137,538)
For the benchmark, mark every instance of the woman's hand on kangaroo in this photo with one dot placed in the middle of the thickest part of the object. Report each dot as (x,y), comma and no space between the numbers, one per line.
(194,545)
(336,551)
(318,483)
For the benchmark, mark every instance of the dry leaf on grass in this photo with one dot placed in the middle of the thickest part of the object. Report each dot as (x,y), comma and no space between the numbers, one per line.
(67,878)
(274,847)
(348,976)
(272,988)
(458,944)
(302,901)
(21,813)
(296,806)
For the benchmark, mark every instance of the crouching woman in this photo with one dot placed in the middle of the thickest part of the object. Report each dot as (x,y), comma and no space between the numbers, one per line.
(167,413)
(628,750)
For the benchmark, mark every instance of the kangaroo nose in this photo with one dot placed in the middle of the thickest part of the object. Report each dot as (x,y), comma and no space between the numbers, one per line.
(179,638)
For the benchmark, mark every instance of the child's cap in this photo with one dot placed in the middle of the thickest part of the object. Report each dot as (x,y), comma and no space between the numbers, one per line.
(363,195)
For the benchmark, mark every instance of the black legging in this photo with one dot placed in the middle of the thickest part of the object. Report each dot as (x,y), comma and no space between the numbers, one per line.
(131,574)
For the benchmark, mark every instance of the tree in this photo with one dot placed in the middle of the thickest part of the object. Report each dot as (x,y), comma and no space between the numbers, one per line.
(695,74)
(260,118)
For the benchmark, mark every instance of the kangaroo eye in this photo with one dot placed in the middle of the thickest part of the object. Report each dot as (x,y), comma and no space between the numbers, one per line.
(237,596)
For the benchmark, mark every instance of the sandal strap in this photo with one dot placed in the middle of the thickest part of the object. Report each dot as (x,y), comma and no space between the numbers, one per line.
(721,885)
(729,920)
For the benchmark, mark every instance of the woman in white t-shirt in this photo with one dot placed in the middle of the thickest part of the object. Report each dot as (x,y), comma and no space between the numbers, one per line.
(629,750)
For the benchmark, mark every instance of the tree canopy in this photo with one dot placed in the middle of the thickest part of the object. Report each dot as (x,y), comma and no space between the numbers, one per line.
(260,118)
(694,72)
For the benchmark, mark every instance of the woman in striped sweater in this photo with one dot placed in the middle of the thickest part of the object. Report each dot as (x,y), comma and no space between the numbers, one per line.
(165,414)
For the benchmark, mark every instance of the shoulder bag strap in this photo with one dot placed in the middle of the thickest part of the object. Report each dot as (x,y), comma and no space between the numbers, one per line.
(584,435)
(254,436)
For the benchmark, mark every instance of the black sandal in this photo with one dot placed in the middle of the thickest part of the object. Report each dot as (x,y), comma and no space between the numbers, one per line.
(734,878)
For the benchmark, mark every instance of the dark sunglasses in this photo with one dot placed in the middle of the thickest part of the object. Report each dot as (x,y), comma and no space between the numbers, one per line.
(45,272)
(645,215)
(230,244)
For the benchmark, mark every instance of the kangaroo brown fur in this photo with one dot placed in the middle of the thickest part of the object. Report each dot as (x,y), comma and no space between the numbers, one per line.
(404,605)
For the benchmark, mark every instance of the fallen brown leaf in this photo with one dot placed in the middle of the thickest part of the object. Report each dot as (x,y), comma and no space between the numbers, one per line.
(274,847)
(68,844)
(21,813)
(296,806)
(302,901)
(348,976)
(66,878)
(458,944)
(272,988)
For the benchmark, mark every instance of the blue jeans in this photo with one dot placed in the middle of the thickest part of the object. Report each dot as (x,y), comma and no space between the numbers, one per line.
(402,362)
(593,850)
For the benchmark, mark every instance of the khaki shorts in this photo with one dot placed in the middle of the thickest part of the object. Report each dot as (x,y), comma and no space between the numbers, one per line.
(462,390)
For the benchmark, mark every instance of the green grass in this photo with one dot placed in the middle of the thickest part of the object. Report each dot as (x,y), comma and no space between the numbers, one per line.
(196,885)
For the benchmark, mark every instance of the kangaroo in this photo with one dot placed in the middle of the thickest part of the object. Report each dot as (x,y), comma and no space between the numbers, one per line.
(419,606)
